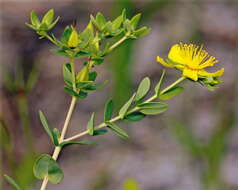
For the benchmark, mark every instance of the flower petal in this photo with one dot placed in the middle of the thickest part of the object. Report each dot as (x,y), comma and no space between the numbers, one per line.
(215,74)
(192,74)
(176,54)
(161,60)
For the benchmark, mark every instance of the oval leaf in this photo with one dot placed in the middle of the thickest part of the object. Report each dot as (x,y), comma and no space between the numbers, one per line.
(63,144)
(108,111)
(67,74)
(153,108)
(135,20)
(125,108)
(158,86)
(34,19)
(136,116)
(45,166)
(51,133)
(90,125)
(71,92)
(117,130)
(48,17)
(171,93)
(99,132)
(143,88)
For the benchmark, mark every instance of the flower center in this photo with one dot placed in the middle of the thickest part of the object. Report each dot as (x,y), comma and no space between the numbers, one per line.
(192,68)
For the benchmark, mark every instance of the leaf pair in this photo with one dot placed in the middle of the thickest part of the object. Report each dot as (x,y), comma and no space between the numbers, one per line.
(46,166)
(131,27)
(91,125)
(108,28)
(152,108)
(45,24)
(138,96)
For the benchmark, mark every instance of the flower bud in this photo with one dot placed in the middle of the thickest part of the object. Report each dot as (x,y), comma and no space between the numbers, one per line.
(73,39)
(82,76)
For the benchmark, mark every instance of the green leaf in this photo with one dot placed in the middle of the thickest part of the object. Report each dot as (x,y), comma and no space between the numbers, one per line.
(56,135)
(82,95)
(66,34)
(127,26)
(171,93)
(126,106)
(34,19)
(71,92)
(81,54)
(91,88)
(108,111)
(100,20)
(90,125)
(98,60)
(60,52)
(31,26)
(117,22)
(82,75)
(158,86)
(99,132)
(88,34)
(48,17)
(135,116)
(81,85)
(135,20)
(92,76)
(54,23)
(45,124)
(153,108)
(63,144)
(45,166)
(67,74)
(141,32)
(123,14)
(117,130)
(12,182)
(143,89)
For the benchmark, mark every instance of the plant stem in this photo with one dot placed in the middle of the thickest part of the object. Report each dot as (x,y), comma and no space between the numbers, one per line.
(44,183)
(133,110)
(118,43)
(51,39)
(66,124)
(173,84)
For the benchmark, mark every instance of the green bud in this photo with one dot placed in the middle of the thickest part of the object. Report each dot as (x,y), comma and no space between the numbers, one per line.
(73,39)
(82,76)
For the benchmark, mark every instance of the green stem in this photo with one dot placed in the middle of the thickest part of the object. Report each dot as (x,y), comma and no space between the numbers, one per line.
(51,39)
(118,43)
(173,84)
(118,117)
(66,124)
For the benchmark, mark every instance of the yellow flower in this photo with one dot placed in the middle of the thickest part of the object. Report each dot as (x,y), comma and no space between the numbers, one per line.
(73,38)
(191,60)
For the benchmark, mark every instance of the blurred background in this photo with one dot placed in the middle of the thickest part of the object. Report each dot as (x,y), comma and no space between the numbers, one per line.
(193,146)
